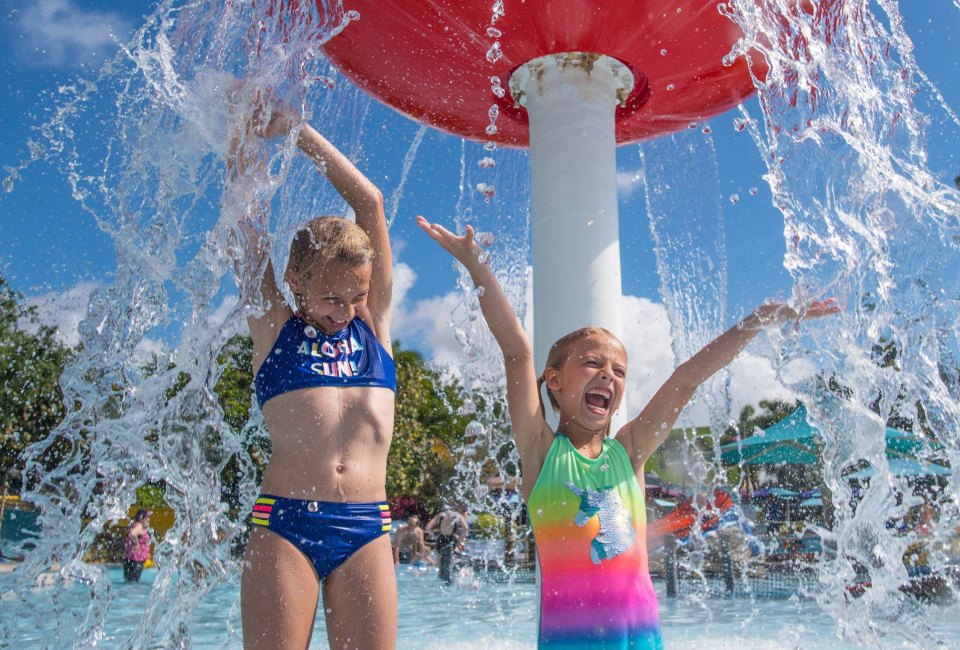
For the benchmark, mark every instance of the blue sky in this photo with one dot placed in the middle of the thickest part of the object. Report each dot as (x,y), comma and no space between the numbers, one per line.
(53,252)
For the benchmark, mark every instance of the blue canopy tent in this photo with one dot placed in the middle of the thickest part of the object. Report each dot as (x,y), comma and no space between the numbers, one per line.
(794,440)
(905,467)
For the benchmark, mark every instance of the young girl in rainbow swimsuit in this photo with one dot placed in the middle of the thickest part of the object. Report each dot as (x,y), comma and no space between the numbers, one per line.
(325,380)
(584,490)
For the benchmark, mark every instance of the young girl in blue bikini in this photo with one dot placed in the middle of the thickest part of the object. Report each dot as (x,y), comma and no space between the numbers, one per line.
(325,380)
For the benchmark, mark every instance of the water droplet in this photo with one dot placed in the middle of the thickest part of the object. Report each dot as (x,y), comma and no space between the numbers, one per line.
(670,86)
(739,124)
(692,126)
(493,112)
(707,130)
(483,238)
(485,189)
(734,199)
(728,60)
(487,162)
(483,257)
(663,52)
(753,191)
(481,290)
(493,32)
(353,14)
(467,408)
(663,425)
(679,9)
(494,54)
(490,146)
(491,129)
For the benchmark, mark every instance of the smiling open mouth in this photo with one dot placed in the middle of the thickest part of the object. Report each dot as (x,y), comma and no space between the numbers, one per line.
(599,399)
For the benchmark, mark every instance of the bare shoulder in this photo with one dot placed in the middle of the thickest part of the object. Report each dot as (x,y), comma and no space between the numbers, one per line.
(265,329)
(379,325)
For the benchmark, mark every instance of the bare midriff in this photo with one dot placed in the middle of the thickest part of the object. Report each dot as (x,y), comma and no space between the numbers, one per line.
(329,444)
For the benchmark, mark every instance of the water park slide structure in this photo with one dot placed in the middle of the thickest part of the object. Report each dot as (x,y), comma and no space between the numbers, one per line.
(685,516)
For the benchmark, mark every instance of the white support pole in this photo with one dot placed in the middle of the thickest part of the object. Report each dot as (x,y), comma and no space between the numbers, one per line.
(571,100)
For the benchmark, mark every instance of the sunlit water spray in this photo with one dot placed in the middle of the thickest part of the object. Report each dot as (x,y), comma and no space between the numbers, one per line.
(844,141)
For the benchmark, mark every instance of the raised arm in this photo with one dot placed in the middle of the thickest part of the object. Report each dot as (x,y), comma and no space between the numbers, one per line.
(530,431)
(645,433)
(246,201)
(367,203)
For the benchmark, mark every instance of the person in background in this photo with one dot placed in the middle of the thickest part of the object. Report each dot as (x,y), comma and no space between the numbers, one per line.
(450,528)
(136,546)
(409,546)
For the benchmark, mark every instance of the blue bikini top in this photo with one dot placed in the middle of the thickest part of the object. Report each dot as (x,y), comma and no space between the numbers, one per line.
(304,357)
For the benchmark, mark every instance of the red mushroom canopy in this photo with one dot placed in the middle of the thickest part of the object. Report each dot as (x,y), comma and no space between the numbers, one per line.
(429,58)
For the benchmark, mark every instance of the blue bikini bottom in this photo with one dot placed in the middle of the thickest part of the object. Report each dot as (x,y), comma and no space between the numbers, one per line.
(327,533)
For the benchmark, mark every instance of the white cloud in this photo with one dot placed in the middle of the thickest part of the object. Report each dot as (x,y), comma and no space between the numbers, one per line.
(425,326)
(63,310)
(628,180)
(403,278)
(646,335)
(57,32)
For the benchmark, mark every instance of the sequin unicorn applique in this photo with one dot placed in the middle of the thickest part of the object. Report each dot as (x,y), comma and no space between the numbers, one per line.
(616,534)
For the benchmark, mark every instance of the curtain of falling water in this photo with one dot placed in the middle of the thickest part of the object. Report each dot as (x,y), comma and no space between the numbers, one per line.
(690,246)
(844,135)
(154,186)
(494,199)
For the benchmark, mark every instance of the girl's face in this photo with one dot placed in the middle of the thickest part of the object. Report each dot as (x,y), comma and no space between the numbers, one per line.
(589,384)
(330,294)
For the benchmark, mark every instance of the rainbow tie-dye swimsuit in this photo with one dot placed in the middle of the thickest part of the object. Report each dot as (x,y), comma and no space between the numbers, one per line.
(589,521)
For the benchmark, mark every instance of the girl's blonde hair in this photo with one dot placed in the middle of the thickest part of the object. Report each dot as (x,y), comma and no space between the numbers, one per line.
(559,352)
(323,240)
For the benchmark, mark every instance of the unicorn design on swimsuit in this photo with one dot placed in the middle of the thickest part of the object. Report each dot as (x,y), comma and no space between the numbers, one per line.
(616,534)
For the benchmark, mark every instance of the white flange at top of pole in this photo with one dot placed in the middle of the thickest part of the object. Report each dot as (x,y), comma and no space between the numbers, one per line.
(536,70)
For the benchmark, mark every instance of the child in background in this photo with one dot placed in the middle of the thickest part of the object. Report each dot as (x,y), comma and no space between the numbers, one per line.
(584,490)
(136,546)
(325,380)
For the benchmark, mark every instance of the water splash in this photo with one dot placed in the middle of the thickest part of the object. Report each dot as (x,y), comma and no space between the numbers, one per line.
(865,221)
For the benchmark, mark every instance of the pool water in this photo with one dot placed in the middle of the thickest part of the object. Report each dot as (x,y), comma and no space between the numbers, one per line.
(472,613)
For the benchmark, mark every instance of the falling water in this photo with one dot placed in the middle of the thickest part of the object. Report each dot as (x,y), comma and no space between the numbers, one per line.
(843,133)
(845,142)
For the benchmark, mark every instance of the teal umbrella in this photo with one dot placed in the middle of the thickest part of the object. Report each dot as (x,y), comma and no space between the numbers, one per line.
(791,437)
(794,440)
(905,467)
(784,452)
(902,443)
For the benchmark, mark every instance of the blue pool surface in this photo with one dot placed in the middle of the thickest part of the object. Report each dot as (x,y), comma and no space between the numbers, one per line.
(473,614)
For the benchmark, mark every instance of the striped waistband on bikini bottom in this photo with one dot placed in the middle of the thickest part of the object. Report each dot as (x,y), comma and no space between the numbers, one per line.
(265,505)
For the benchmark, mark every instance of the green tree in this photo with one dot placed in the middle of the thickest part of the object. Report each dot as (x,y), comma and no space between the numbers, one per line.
(234,391)
(427,431)
(31,403)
